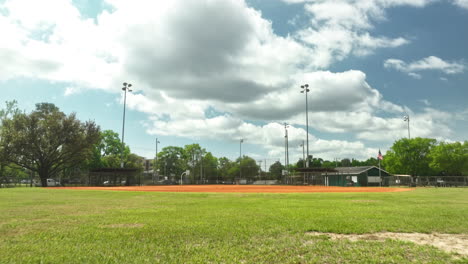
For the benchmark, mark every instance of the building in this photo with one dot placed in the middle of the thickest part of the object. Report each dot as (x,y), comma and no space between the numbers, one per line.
(356,176)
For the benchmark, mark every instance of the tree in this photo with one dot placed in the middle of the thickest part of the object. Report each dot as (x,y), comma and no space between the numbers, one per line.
(276,170)
(410,156)
(449,158)
(224,169)
(134,161)
(9,112)
(345,162)
(171,160)
(329,164)
(210,166)
(110,143)
(107,153)
(193,156)
(47,141)
(300,163)
(249,168)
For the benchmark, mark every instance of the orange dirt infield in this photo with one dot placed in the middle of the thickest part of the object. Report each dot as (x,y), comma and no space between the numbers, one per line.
(241,189)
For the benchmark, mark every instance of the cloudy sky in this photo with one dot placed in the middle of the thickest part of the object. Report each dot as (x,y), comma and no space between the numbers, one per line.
(214,71)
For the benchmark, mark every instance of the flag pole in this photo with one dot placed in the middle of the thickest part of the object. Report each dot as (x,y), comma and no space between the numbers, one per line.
(380,174)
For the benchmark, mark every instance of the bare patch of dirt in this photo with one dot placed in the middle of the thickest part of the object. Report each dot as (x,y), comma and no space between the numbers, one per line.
(124,226)
(457,243)
(365,201)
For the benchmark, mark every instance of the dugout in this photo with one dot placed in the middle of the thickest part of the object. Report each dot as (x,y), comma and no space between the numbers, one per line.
(315,176)
(114,177)
(357,176)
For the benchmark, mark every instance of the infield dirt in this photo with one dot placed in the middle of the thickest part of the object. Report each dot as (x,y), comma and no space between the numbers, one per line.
(242,188)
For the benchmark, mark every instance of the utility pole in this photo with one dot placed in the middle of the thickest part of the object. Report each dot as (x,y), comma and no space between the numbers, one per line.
(201,167)
(156,162)
(305,90)
(260,170)
(286,152)
(125,89)
(240,159)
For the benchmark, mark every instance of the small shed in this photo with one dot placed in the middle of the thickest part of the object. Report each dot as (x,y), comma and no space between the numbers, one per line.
(357,176)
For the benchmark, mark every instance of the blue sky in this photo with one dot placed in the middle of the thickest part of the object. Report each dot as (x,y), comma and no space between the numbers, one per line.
(214,71)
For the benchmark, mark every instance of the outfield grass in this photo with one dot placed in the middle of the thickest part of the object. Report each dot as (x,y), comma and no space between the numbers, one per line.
(70,226)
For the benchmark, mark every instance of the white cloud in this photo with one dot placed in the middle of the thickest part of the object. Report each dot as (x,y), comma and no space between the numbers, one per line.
(270,136)
(342,28)
(461,3)
(71,90)
(429,63)
(186,57)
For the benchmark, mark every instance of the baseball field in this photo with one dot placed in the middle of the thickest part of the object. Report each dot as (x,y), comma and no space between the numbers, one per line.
(255,225)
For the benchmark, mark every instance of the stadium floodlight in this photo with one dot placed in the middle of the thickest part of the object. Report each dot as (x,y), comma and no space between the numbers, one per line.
(240,158)
(406,118)
(305,90)
(156,160)
(286,147)
(125,89)
(303,154)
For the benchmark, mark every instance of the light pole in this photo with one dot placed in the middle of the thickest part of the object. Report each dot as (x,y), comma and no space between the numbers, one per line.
(200,156)
(260,170)
(240,158)
(156,160)
(286,150)
(305,90)
(407,119)
(125,89)
(303,154)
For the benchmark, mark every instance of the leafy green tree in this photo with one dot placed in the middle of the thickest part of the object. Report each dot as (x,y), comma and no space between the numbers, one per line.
(111,143)
(371,162)
(133,161)
(410,156)
(276,170)
(449,158)
(171,160)
(47,141)
(210,166)
(193,157)
(249,168)
(329,164)
(107,153)
(345,162)
(316,162)
(7,113)
(300,163)
(224,169)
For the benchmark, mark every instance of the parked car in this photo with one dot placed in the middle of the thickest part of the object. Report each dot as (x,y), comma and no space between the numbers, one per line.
(50,183)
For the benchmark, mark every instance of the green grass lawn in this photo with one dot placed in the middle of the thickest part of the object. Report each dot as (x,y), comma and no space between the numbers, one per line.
(71,226)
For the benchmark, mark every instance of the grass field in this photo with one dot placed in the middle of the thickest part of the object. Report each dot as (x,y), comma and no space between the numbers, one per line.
(87,226)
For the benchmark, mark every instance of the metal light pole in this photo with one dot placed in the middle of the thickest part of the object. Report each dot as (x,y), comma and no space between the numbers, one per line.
(303,154)
(286,149)
(201,166)
(125,89)
(240,158)
(156,160)
(303,159)
(407,119)
(305,90)
(260,170)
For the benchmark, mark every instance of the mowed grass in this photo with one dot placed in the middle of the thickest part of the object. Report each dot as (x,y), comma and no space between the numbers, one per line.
(75,226)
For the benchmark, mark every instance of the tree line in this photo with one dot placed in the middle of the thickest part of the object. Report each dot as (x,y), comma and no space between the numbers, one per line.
(48,142)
